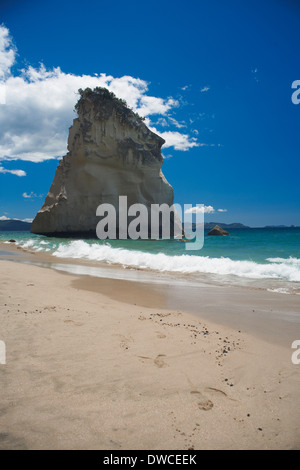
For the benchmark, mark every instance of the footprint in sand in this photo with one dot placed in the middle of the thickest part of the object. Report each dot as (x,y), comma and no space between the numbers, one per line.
(203,403)
(160,335)
(124,342)
(158,361)
(74,322)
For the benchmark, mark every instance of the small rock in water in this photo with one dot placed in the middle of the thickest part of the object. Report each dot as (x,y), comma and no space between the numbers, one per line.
(217,231)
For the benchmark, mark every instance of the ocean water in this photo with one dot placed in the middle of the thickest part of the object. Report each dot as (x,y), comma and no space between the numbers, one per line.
(268,258)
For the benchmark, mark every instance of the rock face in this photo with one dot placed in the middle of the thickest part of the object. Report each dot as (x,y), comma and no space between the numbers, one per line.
(111,153)
(217,231)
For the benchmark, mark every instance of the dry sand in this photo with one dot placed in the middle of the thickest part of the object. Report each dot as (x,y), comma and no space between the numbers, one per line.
(87,370)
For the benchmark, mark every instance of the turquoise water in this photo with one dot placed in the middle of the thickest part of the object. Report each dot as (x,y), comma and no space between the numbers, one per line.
(272,253)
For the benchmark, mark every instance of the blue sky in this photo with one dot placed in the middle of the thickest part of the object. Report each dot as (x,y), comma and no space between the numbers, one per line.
(213,77)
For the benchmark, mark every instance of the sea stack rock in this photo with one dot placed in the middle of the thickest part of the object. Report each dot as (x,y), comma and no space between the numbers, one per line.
(111,153)
(217,231)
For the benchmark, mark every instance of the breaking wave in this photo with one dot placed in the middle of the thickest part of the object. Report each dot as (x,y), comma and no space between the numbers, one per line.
(274,268)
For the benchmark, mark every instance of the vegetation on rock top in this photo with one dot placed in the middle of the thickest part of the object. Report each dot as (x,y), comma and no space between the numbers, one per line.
(100,94)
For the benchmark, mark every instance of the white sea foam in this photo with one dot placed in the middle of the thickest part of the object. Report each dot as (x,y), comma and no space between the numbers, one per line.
(276,268)
(289,261)
(283,269)
(28,244)
(280,290)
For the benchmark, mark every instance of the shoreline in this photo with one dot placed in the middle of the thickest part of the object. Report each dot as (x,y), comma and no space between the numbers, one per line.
(91,360)
(271,316)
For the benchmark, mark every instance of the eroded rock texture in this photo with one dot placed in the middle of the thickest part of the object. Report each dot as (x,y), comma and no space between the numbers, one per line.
(111,153)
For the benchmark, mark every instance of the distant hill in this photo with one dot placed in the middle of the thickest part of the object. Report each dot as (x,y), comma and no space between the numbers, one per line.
(280,226)
(211,225)
(14,226)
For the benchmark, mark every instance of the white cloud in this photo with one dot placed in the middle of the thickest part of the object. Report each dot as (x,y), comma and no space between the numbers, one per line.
(13,172)
(167,121)
(179,125)
(222,210)
(200,209)
(7,52)
(177,140)
(161,122)
(31,195)
(151,105)
(39,105)
(204,89)
(3,217)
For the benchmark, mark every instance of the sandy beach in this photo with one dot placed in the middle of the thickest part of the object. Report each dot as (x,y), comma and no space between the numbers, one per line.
(149,228)
(95,363)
